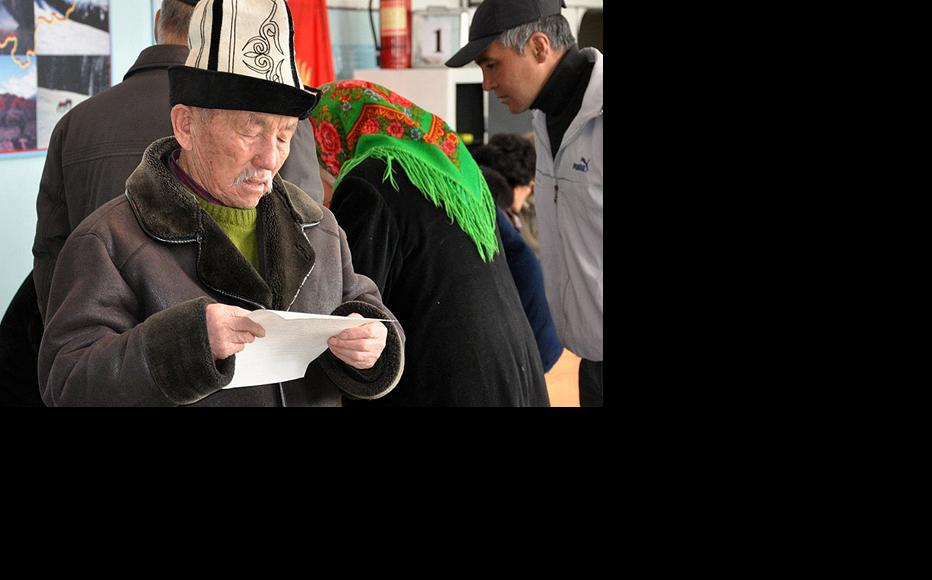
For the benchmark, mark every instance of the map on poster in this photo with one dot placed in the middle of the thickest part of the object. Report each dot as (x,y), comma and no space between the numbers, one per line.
(53,55)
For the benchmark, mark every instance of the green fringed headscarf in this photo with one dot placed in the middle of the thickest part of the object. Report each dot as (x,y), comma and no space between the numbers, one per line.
(356,120)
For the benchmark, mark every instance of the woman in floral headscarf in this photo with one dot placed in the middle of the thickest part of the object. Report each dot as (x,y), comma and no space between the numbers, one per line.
(420,221)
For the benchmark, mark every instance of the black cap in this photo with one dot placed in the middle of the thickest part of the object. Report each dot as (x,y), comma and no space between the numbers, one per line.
(493,17)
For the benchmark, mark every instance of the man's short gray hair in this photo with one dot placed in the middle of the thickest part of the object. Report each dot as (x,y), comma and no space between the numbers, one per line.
(174,19)
(555,27)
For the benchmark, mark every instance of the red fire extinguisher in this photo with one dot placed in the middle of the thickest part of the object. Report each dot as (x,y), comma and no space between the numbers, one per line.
(395,18)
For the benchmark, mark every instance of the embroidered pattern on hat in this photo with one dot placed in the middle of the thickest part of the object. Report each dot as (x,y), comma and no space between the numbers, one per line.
(265,63)
(241,58)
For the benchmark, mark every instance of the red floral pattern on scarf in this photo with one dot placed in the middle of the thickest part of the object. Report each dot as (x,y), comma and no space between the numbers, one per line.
(358,108)
(328,138)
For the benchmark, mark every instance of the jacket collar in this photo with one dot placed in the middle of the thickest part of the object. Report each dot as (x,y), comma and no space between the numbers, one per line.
(558,91)
(573,70)
(167,212)
(592,105)
(160,56)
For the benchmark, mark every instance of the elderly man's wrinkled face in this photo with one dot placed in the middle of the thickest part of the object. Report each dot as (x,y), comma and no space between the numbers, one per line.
(234,154)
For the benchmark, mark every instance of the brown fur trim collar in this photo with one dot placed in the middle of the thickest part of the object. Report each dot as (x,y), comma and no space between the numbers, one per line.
(169,213)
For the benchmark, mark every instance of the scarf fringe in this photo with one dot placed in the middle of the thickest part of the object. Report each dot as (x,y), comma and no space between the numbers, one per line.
(475,216)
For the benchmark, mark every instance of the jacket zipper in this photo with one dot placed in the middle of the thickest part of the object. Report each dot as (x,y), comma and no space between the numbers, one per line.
(556,184)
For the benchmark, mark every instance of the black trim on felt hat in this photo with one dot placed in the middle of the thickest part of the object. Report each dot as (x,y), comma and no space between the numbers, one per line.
(242,58)
(221,90)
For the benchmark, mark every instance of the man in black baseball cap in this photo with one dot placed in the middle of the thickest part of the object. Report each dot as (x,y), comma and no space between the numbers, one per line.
(493,18)
(529,59)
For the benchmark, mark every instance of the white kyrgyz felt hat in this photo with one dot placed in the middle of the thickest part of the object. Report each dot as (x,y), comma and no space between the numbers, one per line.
(242,58)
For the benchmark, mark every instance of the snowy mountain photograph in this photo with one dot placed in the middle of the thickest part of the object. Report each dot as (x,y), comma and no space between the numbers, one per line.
(17,107)
(54,54)
(75,27)
(63,82)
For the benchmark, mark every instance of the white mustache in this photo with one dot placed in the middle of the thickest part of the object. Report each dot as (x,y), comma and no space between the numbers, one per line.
(252,173)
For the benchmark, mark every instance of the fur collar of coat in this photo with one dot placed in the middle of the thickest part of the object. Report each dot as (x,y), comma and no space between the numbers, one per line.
(167,211)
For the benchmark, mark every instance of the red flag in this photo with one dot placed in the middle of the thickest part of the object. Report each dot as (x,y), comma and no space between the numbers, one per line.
(312,41)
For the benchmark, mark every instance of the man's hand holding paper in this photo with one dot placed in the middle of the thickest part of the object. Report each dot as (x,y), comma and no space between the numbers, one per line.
(361,346)
(229,329)
(281,344)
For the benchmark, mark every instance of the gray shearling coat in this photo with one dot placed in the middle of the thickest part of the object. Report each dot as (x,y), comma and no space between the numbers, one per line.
(126,315)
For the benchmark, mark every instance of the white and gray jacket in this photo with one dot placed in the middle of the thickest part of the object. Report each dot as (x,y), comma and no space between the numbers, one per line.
(568,193)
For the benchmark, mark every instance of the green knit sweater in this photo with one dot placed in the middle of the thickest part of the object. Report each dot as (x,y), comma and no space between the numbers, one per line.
(239,225)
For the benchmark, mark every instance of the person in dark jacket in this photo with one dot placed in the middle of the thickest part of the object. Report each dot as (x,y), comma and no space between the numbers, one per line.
(420,222)
(526,272)
(151,295)
(20,334)
(92,151)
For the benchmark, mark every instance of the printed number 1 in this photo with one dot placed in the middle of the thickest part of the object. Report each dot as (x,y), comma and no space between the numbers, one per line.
(437,32)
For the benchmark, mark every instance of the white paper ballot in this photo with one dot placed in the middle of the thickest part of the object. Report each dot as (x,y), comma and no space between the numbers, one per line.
(292,340)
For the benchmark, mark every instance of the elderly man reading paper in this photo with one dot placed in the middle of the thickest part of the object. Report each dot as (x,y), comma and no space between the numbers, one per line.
(151,295)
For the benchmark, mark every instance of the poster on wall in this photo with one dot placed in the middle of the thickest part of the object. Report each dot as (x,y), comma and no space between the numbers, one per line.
(53,55)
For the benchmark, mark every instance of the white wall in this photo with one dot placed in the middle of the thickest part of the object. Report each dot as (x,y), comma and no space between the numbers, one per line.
(130,32)
(20,183)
